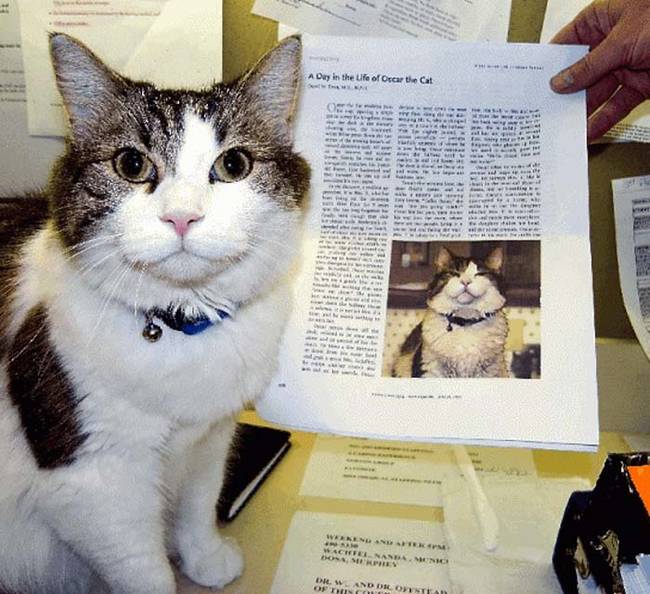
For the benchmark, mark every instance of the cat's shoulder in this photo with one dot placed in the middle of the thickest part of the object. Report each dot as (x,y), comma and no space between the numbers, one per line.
(21,216)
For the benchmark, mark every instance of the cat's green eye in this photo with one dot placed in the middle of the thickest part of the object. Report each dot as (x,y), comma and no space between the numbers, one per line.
(133,166)
(231,166)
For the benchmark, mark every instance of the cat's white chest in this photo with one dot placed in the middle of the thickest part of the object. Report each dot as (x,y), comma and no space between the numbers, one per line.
(467,351)
(208,375)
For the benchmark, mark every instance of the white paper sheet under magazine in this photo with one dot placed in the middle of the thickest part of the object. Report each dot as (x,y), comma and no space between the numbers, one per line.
(391,472)
(470,20)
(463,145)
(632,214)
(167,42)
(636,126)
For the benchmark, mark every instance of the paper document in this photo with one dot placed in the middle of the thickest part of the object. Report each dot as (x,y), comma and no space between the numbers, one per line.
(636,126)
(336,554)
(171,43)
(396,472)
(528,512)
(27,164)
(470,20)
(464,154)
(632,217)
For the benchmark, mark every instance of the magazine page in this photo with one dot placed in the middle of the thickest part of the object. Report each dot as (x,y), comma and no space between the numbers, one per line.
(440,169)
(632,215)
(633,128)
(471,20)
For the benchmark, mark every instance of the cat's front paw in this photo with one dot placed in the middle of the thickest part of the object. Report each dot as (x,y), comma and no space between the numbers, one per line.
(215,565)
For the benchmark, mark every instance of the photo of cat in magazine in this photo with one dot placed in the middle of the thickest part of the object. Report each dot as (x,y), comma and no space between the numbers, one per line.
(463,309)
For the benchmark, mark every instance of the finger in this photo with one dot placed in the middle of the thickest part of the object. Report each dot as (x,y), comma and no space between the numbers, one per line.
(603,59)
(615,109)
(601,92)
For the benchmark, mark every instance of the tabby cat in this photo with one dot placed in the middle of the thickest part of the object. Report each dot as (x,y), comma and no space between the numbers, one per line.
(143,295)
(464,330)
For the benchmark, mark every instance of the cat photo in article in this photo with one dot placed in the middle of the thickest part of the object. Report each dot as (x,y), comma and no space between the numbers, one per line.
(463,310)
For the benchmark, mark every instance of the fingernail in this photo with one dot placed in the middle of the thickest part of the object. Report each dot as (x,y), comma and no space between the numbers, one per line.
(562,81)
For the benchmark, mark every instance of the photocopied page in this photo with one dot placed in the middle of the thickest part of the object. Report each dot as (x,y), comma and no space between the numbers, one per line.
(336,554)
(464,154)
(632,216)
(470,20)
(27,164)
(636,126)
(167,42)
(397,472)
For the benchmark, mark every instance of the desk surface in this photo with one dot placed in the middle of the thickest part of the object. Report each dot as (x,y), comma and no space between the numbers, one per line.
(262,525)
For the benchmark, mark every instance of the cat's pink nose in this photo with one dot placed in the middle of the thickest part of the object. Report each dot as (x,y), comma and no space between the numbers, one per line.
(181,221)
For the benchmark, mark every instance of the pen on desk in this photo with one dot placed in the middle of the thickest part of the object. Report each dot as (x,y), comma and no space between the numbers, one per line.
(486,516)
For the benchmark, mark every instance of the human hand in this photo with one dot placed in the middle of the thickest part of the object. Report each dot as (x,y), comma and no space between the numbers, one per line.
(616,71)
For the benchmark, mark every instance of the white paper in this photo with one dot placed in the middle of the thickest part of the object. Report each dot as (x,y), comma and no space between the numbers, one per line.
(528,512)
(636,126)
(394,472)
(167,42)
(341,554)
(25,161)
(632,218)
(470,20)
(348,394)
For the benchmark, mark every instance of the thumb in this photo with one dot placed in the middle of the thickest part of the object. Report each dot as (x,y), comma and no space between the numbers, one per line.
(603,59)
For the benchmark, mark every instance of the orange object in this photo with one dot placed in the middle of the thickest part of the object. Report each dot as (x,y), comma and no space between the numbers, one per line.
(640,476)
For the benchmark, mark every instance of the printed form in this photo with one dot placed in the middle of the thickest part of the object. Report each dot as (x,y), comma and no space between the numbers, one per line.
(463,147)
(27,164)
(470,20)
(632,216)
(336,554)
(170,43)
(397,472)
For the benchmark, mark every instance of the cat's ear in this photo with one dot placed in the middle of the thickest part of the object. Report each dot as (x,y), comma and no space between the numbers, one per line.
(494,261)
(88,87)
(271,86)
(443,258)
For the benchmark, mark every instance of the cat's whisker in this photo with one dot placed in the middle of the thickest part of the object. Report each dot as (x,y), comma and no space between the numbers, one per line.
(77,251)
(143,270)
(90,266)
(109,297)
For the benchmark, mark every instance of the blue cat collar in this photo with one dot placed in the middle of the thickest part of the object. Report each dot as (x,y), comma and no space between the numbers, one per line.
(199,325)
(196,327)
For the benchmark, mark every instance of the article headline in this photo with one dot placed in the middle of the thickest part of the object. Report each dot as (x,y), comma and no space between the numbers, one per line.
(364,77)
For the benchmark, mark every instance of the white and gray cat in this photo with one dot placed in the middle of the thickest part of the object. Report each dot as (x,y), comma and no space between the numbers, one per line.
(464,329)
(142,300)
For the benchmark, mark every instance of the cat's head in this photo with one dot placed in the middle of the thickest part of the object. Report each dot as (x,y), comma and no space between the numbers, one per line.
(468,284)
(184,188)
